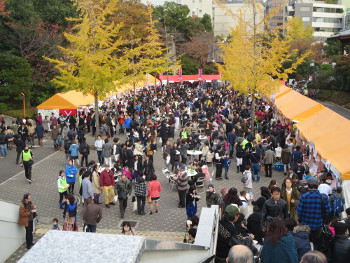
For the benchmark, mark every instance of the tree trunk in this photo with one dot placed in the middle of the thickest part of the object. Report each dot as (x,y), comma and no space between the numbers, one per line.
(97,119)
(252,116)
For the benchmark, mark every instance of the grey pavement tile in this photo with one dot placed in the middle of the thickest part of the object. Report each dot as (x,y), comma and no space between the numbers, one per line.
(169,219)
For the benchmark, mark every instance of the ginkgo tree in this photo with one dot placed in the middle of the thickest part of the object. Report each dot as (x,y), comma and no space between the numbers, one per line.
(148,55)
(94,58)
(253,58)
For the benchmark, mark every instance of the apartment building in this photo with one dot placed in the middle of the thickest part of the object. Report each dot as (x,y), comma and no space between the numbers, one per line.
(222,22)
(326,19)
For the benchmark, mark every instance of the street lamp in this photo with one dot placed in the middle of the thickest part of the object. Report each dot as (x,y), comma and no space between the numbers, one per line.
(23,96)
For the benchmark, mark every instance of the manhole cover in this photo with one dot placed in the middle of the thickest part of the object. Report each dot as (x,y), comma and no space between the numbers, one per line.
(132,223)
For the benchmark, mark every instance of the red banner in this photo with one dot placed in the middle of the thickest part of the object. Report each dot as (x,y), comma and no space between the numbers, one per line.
(160,77)
(68,112)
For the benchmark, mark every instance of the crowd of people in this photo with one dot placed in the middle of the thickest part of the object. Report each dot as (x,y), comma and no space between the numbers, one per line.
(194,127)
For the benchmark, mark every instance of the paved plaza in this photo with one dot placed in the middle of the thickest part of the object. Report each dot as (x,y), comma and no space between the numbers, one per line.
(169,223)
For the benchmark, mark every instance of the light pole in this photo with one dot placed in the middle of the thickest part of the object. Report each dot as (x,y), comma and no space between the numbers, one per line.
(23,96)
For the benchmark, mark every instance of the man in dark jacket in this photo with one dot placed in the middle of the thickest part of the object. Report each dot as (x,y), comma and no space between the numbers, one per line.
(274,207)
(340,247)
(92,215)
(228,234)
(19,147)
(84,151)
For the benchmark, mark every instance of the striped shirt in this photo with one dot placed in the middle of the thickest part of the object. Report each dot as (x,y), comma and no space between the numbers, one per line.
(310,209)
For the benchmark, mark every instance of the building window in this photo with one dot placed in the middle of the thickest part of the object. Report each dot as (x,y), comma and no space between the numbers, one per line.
(305,9)
(305,19)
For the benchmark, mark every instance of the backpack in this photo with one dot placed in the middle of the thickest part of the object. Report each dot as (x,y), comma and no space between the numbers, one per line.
(244,178)
(84,149)
(337,207)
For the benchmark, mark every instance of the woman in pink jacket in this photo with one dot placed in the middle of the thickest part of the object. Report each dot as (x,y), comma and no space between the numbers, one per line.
(154,188)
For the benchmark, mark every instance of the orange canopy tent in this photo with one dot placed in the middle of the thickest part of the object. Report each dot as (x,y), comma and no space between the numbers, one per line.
(318,124)
(296,106)
(67,100)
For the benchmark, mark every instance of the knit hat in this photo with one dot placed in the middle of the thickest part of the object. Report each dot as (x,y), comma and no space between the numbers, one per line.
(231,211)
(210,185)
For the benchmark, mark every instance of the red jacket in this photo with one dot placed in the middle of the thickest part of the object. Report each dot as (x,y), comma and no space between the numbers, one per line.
(107,178)
(154,188)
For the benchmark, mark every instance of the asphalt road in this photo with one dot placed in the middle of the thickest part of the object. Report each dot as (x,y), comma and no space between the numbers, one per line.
(338,109)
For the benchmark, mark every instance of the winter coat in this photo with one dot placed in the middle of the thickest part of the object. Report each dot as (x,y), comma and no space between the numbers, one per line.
(96,182)
(340,249)
(25,214)
(253,225)
(211,198)
(271,209)
(269,157)
(107,178)
(107,150)
(39,130)
(286,156)
(293,207)
(301,238)
(92,214)
(154,188)
(284,251)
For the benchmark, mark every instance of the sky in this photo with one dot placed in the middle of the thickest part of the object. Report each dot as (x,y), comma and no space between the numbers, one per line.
(155,2)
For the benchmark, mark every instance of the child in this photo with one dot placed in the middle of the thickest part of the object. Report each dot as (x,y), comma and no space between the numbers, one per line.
(55,224)
(227,162)
(192,235)
(59,142)
(247,179)
(126,229)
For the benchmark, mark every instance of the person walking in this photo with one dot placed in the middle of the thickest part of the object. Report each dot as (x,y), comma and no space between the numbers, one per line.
(84,150)
(122,190)
(20,145)
(54,134)
(219,159)
(313,210)
(290,194)
(273,207)
(62,186)
(27,213)
(255,164)
(226,164)
(286,158)
(27,162)
(182,182)
(107,152)
(96,183)
(191,202)
(107,183)
(154,188)
(98,145)
(87,190)
(71,171)
(92,216)
(3,145)
(74,152)
(140,193)
(269,158)
(70,213)
(39,130)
